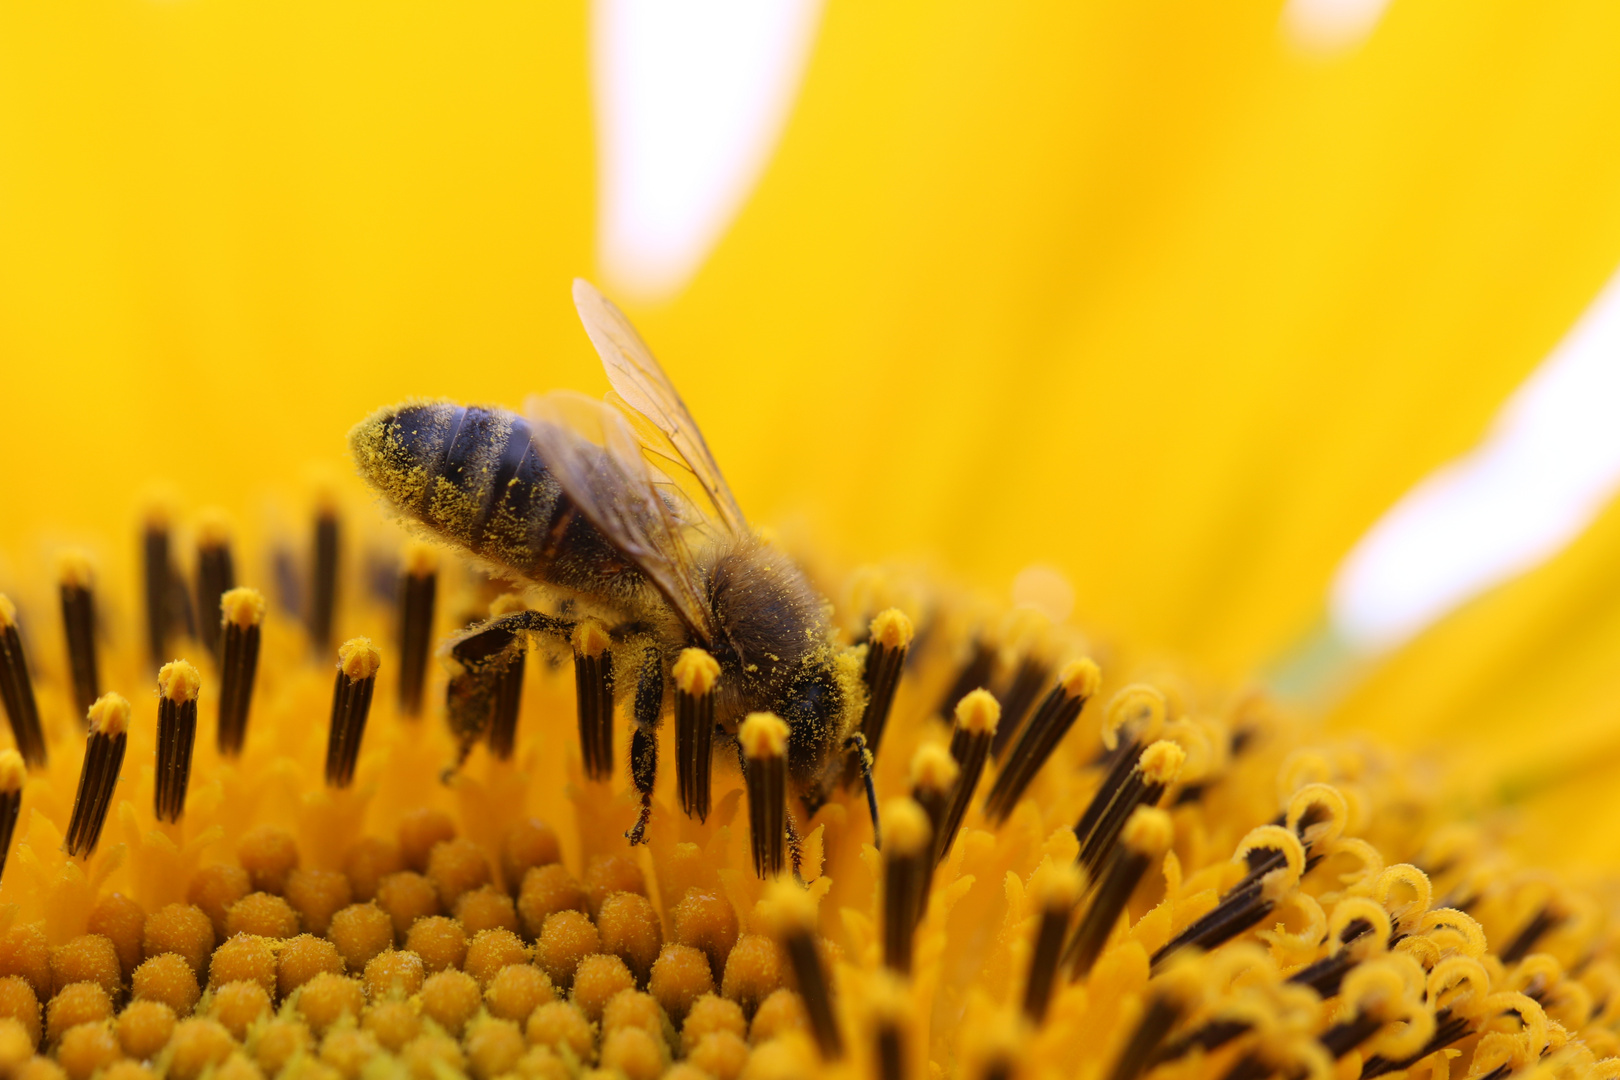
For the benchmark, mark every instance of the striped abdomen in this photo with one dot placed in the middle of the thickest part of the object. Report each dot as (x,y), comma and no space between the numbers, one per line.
(471,474)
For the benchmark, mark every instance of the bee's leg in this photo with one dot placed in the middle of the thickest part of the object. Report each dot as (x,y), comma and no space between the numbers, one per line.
(795,847)
(494,641)
(644,743)
(855,746)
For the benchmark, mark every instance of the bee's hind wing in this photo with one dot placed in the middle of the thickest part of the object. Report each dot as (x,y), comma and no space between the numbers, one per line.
(597,459)
(640,384)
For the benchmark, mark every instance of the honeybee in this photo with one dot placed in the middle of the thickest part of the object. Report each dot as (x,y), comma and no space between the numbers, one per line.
(617,509)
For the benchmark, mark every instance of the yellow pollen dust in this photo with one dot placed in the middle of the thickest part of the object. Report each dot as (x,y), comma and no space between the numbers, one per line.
(109,714)
(763,735)
(696,672)
(359,659)
(978,712)
(179,680)
(242,606)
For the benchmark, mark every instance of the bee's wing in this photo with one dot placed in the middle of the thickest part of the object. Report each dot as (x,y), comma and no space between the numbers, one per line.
(641,384)
(589,447)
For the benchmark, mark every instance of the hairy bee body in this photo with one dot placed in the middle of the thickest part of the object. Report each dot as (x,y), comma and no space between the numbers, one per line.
(473,476)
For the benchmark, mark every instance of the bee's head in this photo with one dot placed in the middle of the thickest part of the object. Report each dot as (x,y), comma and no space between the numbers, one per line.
(822,703)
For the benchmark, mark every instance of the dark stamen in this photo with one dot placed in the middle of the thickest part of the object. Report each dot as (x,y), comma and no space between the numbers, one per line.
(103,757)
(79,627)
(216,576)
(1058,711)
(890,1051)
(889,640)
(1028,678)
(178,683)
(508,686)
(793,914)
(1346,1035)
(1526,939)
(323,597)
(358,661)
(17,688)
(934,773)
(907,869)
(981,662)
(1144,838)
(418,591)
(1154,771)
(155,560)
(1057,903)
(764,740)
(696,674)
(241,616)
(1244,904)
(593,686)
(13,772)
(1160,1016)
(1448,1029)
(977,714)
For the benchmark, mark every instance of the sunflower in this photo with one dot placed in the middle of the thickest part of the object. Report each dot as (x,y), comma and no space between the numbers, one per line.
(1140,309)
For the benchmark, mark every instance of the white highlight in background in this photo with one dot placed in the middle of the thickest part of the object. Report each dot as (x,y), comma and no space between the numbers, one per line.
(1549,465)
(1330,26)
(691,96)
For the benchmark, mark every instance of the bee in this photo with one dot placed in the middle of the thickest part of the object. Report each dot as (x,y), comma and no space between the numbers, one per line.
(616,508)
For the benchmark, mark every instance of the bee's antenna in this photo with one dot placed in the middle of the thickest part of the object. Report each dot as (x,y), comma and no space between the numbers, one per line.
(17,689)
(418,589)
(216,576)
(976,717)
(1058,897)
(764,739)
(178,683)
(696,676)
(1144,838)
(13,772)
(1076,684)
(593,684)
(79,626)
(358,661)
(241,617)
(907,870)
(103,757)
(792,912)
(889,639)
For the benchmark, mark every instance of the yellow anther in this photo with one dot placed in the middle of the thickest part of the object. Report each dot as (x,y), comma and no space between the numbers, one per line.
(73,569)
(906,830)
(1138,706)
(1275,838)
(1460,984)
(421,559)
(763,735)
(1324,806)
(213,528)
(1393,888)
(110,715)
(1149,831)
(696,672)
(359,659)
(892,630)
(933,768)
(978,712)
(242,606)
(1161,763)
(1080,678)
(179,680)
(788,908)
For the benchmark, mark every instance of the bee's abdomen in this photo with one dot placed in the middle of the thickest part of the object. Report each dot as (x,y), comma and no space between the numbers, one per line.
(472,475)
